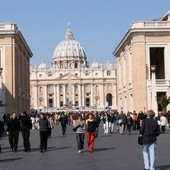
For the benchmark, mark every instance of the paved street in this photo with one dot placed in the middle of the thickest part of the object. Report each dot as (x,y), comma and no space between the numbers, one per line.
(112,152)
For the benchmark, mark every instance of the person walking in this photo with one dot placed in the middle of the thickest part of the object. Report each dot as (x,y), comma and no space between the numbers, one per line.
(50,125)
(43,124)
(13,128)
(97,120)
(112,122)
(90,132)
(129,123)
(26,125)
(64,121)
(149,130)
(163,122)
(121,122)
(105,123)
(80,124)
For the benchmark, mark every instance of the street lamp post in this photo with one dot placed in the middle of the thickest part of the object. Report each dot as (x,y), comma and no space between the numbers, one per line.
(154,101)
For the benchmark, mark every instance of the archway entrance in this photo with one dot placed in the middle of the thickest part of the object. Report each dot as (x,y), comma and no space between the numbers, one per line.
(109,99)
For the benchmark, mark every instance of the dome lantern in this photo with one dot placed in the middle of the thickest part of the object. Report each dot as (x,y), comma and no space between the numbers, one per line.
(69,51)
(69,34)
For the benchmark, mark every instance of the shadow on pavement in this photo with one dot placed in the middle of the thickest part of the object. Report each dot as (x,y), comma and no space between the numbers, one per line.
(102,149)
(163,167)
(108,135)
(10,159)
(49,149)
(61,148)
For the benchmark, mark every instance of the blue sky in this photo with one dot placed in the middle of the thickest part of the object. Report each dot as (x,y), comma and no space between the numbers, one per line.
(98,25)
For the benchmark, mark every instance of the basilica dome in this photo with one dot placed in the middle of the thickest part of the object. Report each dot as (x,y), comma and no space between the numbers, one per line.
(68,47)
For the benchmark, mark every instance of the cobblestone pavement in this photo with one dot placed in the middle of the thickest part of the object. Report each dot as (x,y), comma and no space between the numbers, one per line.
(112,152)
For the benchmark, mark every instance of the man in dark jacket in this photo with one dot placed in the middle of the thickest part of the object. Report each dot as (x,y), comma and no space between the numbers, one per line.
(121,122)
(26,125)
(63,120)
(97,120)
(13,128)
(44,125)
(149,130)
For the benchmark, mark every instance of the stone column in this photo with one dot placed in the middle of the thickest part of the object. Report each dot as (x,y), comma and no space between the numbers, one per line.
(83,96)
(115,97)
(73,94)
(64,94)
(154,102)
(45,97)
(54,105)
(92,96)
(58,96)
(35,95)
(80,96)
(102,96)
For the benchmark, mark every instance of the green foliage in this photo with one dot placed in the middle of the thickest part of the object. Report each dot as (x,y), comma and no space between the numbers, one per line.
(163,101)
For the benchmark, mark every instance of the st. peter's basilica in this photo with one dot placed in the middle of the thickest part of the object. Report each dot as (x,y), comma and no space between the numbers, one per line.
(70,83)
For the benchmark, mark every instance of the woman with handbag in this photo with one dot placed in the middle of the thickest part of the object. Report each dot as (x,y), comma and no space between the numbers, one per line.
(79,128)
(149,131)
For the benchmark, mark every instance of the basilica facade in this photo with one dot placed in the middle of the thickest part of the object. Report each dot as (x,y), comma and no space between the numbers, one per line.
(70,83)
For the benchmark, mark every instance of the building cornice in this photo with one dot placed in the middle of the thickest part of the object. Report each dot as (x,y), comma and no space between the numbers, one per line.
(12,29)
(144,27)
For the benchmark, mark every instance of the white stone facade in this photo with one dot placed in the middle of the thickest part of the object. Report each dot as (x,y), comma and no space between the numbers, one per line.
(70,83)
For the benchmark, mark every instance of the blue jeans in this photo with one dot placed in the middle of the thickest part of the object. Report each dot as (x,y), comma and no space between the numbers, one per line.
(149,155)
(80,140)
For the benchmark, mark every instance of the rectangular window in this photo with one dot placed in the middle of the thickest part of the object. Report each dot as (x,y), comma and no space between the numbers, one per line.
(157,59)
(50,102)
(108,73)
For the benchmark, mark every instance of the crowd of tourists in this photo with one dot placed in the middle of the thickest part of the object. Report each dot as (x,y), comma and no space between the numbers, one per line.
(86,125)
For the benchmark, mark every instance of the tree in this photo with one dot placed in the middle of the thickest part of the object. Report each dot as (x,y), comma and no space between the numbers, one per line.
(163,101)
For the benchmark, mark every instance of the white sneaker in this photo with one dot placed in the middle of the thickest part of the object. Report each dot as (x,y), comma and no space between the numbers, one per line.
(79,151)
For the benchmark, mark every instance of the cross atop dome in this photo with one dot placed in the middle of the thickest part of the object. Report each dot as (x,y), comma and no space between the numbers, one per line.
(69,34)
